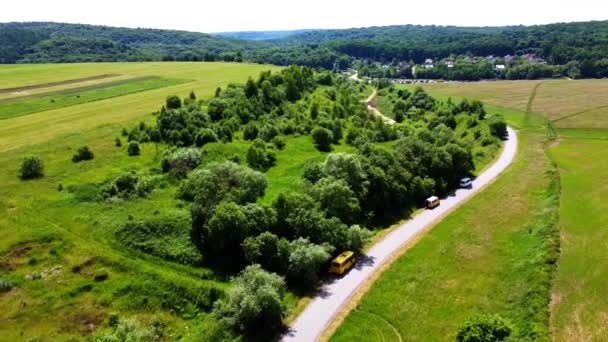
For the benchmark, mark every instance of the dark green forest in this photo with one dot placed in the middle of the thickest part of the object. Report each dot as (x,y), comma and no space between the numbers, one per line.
(578,50)
(43,42)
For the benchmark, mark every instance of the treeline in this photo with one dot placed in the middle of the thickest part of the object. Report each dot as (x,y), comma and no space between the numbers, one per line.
(483,70)
(570,49)
(64,43)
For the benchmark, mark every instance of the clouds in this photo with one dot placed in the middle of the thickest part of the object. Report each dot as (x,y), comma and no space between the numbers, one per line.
(245,15)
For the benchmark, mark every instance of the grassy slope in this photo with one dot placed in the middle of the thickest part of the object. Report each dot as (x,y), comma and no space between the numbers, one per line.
(27,105)
(580,304)
(483,258)
(84,118)
(41,227)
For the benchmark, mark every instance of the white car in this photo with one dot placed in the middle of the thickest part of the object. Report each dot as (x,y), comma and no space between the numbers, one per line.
(466,183)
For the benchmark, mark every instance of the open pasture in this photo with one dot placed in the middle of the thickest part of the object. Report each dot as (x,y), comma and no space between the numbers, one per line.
(580,305)
(37,128)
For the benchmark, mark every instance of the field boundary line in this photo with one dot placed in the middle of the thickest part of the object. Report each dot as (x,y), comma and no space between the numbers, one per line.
(579,113)
(53,84)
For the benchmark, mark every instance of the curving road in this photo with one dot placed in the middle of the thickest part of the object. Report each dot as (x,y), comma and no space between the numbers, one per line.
(334,295)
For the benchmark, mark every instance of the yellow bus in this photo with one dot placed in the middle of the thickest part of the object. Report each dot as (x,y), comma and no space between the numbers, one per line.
(432,202)
(342,262)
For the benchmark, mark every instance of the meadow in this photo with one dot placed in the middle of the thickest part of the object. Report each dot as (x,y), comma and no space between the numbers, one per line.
(52,229)
(87,117)
(496,255)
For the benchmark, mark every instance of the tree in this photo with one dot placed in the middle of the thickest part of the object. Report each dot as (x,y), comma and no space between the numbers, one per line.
(260,157)
(173,102)
(306,262)
(156,138)
(223,235)
(337,199)
(253,305)
(498,126)
(314,110)
(357,237)
(223,181)
(181,161)
(268,132)
(251,89)
(31,167)
(268,250)
(83,153)
(322,138)
(205,136)
(484,328)
(133,149)
(313,172)
(250,132)
(192,95)
(347,166)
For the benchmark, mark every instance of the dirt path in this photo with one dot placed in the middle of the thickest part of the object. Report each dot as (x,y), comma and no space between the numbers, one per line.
(334,295)
(371,105)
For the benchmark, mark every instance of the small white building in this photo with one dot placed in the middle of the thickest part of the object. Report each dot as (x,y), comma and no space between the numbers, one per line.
(500,67)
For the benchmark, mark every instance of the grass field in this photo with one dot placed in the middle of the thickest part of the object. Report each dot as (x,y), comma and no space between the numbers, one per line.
(87,117)
(65,237)
(64,98)
(488,256)
(580,304)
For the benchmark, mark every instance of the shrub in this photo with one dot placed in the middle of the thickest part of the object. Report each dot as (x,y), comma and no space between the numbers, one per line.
(484,328)
(130,330)
(117,142)
(250,132)
(165,236)
(144,187)
(101,275)
(253,304)
(306,261)
(260,157)
(5,285)
(313,172)
(126,186)
(173,102)
(498,126)
(181,161)
(322,138)
(278,142)
(31,167)
(204,137)
(134,149)
(268,132)
(83,153)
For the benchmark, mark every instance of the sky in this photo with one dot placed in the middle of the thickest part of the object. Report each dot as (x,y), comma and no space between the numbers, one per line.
(257,15)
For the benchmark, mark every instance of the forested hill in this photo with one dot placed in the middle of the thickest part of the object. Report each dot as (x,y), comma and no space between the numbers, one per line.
(261,35)
(56,43)
(577,50)
(556,43)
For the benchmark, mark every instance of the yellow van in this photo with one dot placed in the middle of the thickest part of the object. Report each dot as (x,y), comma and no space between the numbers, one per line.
(342,262)
(432,202)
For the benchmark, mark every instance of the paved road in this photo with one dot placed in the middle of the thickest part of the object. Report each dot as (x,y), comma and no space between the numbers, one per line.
(320,312)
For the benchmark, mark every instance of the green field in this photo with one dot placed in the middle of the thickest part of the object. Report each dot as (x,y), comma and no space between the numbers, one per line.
(492,256)
(69,237)
(86,118)
(69,97)
(580,305)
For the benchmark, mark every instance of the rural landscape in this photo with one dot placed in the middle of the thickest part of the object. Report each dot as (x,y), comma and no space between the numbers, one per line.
(388,183)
